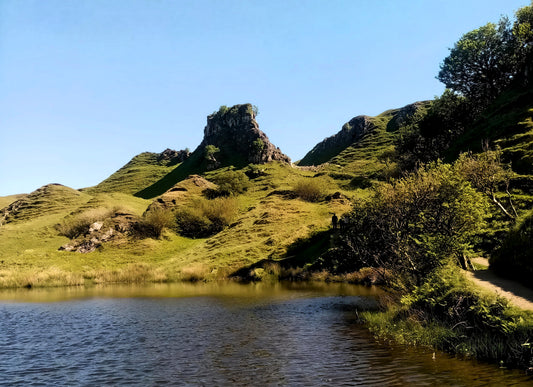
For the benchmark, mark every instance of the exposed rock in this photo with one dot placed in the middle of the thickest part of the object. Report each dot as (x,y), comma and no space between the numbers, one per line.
(118,226)
(235,132)
(353,131)
(172,156)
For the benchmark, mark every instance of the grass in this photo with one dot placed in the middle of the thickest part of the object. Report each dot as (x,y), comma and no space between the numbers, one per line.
(141,171)
(267,221)
(7,200)
(450,314)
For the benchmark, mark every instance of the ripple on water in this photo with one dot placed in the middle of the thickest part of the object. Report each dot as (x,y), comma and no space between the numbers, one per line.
(217,340)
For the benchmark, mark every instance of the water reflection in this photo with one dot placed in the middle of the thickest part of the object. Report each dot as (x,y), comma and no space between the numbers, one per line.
(215,334)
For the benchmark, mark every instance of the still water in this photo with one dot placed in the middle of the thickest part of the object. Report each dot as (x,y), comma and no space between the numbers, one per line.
(209,334)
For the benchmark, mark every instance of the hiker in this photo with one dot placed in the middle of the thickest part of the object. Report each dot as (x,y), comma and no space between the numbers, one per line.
(343,222)
(334,221)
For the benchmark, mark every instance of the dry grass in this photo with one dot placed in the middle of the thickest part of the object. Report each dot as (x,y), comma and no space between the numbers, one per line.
(49,277)
(132,273)
(311,190)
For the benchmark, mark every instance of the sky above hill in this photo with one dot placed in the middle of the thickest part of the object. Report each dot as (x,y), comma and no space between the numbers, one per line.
(86,85)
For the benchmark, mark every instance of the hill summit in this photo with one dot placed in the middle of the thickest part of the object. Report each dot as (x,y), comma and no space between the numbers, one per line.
(235,134)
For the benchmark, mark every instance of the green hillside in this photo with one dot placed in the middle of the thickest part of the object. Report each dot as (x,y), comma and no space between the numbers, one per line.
(140,172)
(508,123)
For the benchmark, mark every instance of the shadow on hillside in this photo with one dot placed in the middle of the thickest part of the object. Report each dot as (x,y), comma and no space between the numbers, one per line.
(193,165)
(302,252)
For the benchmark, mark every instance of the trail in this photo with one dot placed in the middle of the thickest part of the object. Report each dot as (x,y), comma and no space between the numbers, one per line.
(517,294)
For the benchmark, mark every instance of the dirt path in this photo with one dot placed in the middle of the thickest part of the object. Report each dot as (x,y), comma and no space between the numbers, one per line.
(516,293)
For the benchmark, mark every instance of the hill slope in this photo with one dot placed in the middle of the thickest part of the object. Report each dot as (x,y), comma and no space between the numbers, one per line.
(141,171)
(234,138)
(358,128)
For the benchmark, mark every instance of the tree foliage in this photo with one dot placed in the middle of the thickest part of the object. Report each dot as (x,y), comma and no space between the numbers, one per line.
(482,63)
(427,138)
(414,225)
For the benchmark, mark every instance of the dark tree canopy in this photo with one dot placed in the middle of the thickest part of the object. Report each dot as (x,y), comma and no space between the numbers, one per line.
(482,63)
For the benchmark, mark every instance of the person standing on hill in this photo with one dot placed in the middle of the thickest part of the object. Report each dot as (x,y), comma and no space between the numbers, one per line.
(334,221)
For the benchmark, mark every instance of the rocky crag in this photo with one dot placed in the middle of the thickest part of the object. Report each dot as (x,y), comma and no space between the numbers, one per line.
(354,130)
(237,139)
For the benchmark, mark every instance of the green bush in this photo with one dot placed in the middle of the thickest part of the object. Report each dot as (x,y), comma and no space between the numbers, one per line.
(154,222)
(515,257)
(229,183)
(204,217)
(413,225)
(311,189)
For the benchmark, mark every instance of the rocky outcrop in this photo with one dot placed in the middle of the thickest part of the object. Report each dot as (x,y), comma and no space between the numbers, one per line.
(171,156)
(235,138)
(118,226)
(353,131)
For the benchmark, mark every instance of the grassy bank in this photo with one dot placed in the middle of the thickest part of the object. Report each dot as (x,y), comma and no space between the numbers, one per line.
(448,313)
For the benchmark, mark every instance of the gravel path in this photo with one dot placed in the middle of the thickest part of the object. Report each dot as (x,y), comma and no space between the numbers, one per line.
(516,293)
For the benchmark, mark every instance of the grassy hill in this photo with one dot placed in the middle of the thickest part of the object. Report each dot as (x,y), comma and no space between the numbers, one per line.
(140,172)
(269,220)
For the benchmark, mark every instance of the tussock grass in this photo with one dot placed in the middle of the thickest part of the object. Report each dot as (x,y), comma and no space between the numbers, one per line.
(311,190)
(48,277)
(131,273)
(206,217)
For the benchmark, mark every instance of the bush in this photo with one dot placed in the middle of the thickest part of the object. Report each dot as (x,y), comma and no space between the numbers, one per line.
(413,225)
(79,224)
(206,217)
(311,189)
(154,222)
(229,183)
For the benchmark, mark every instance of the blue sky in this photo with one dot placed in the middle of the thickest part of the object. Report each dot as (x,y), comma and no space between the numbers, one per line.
(86,85)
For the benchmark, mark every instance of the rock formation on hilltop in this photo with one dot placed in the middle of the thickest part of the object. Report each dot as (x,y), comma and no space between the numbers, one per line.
(235,138)
(353,131)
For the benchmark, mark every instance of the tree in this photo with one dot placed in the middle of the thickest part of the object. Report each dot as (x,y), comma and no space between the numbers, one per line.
(488,175)
(482,63)
(523,34)
(414,225)
(429,136)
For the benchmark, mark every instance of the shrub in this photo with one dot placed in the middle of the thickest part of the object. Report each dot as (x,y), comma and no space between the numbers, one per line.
(311,190)
(79,224)
(413,225)
(515,257)
(154,222)
(206,217)
(229,183)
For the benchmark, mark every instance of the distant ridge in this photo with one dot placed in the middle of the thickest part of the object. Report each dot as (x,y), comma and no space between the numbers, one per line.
(355,129)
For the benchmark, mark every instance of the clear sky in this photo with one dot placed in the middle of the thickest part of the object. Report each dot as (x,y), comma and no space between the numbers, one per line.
(85,85)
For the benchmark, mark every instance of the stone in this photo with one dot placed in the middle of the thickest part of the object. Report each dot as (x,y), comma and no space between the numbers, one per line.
(236,133)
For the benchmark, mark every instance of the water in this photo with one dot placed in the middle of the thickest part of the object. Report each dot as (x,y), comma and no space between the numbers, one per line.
(186,334)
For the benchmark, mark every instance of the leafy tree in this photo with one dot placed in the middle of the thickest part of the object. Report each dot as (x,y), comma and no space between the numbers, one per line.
(482,63)
(210,151)
(428,137)
(414,225)
(487,174)
(523,34)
